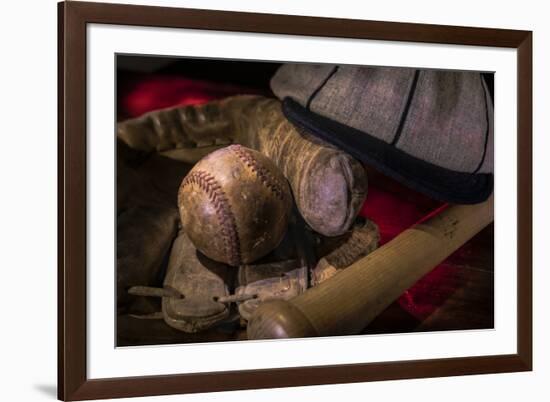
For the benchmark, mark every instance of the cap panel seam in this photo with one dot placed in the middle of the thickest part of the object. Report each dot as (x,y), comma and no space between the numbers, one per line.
(405,112)
(318,89)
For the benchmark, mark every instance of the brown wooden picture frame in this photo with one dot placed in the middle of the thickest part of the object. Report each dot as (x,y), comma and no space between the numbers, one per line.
(73,383)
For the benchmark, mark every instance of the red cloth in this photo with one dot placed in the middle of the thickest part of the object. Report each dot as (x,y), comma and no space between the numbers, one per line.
(142,94)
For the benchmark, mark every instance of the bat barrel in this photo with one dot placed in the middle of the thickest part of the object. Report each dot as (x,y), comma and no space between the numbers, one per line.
(347,302)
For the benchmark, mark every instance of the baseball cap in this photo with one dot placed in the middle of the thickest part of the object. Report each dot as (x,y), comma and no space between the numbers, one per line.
(432,130)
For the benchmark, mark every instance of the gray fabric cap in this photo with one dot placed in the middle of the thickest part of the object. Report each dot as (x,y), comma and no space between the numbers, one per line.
(443,118)
(449,115)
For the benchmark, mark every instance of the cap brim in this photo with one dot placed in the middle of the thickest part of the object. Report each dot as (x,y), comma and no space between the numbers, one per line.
(435,181)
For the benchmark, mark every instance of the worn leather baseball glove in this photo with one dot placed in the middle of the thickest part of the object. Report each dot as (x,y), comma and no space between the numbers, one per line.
(156,258)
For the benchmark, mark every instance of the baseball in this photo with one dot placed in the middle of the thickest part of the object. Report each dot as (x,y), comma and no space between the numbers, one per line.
(235,205)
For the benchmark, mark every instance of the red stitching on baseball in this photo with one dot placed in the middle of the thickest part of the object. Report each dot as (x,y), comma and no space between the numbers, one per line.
(206,182)
(265,175)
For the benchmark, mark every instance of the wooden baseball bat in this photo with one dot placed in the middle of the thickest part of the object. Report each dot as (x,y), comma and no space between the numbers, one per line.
(351,299)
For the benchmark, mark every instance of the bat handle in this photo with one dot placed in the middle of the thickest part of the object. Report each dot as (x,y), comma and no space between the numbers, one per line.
(279,319)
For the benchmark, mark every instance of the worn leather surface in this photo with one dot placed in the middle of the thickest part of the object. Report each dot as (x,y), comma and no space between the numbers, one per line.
(287,279)
(144,235)
(362,239)
(328,185)
(276,280)
(147,219)
(199,281)
(202,282)
(235,205)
